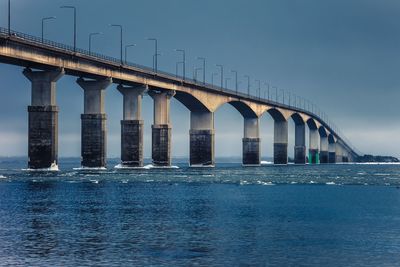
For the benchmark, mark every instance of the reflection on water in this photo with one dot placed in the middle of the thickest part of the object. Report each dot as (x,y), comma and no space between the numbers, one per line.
(202,217)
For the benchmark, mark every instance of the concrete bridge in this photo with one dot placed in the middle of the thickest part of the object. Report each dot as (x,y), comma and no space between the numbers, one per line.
(45,62)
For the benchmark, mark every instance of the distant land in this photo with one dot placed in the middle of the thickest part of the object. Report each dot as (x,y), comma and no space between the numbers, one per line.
(371,158)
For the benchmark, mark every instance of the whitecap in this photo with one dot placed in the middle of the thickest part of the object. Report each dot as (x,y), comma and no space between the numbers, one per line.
(94,181)
(151,166)
(2,177)
(90,169)
(52,168)
(311,182)
(330,183)
(264,162)
(244,182)
(124,167)
(265,183)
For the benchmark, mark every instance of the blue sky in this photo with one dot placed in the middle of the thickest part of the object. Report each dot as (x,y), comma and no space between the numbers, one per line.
(341,54)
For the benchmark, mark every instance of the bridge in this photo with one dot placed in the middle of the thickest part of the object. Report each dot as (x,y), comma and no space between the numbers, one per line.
(45,62)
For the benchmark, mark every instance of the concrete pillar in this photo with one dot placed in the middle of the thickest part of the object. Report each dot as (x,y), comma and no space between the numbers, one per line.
(280,142)
(132,126)
(345,156)
(313,152)
(161,128)
(324,150)
(332,153)
(339,153)
(251,142)
(43,119)
(93,131)
(300,144)
(202,139)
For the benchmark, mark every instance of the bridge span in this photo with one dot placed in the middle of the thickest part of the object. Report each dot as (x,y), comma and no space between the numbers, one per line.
(45,62)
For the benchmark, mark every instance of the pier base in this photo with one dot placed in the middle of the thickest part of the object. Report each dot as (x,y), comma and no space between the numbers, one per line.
(299,154)
(132,143)
(324,157)
(280,153)
(251,151)
(332,157)
(313,156)
(93,138)
(43,137)
(202,148)
(161,145)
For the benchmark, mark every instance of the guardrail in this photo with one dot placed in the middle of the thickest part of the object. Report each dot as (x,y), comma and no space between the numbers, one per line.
(163,74)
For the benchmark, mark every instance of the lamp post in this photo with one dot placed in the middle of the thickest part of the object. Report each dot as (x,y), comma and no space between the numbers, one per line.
(120,32)
(90,40)
(126,51)
(176,68)
(74,8)
(212,77)
(259,88)
(226,82)
(9,17)
(183,62)
(204,68)
(248,84)
(43,20)
(195,70)
(267,84)
(236,80)
(155,57)
(222,75)
(276,93)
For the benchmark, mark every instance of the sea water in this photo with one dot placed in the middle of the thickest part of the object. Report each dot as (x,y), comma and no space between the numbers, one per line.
(322,215)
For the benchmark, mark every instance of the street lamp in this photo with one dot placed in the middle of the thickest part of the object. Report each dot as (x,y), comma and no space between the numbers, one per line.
(126,51)
(120,31)
(195,70)
(183,62)
(74,8)
(276,93)
(176,68)
(259,88)
(43,20)
(236,80)
(155,56)
(222,75)
(204,68)
(226,82)
(267,84)
(90,40)
(9,17)
(248,84)
(212,77)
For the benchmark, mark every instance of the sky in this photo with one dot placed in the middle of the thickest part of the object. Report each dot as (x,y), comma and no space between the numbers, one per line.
(341,54)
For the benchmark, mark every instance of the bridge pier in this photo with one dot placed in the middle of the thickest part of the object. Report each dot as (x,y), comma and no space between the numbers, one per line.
(332,153)
(251,142)
(202,139)
(161,128)
(280,142)
(324,148)
(339,153)
(300,144)
(132,126)
(313,152)
(43,119)
(93,131)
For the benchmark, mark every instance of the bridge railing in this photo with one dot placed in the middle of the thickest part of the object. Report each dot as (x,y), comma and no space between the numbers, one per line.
(178,79)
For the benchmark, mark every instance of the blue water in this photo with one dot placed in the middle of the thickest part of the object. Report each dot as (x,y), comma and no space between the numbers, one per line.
(326,215)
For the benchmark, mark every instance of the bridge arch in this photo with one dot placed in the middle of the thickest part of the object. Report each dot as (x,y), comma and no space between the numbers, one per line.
(322,132)
(191,102)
